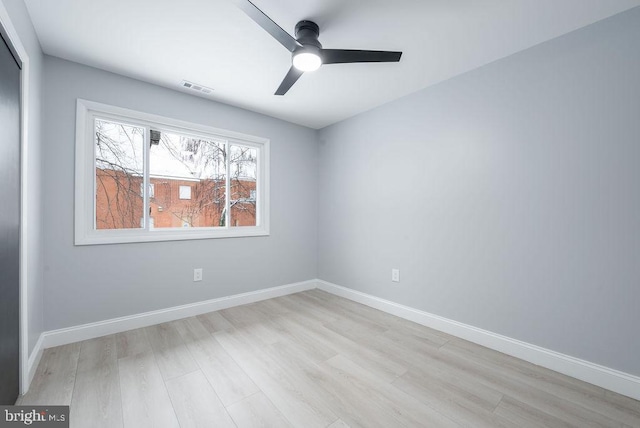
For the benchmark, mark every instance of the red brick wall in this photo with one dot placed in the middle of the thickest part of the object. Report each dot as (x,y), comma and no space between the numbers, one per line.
(119,202)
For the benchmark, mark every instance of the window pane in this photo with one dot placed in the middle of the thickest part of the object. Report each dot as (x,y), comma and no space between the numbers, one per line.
(188,176)
(119,158)
(243,170)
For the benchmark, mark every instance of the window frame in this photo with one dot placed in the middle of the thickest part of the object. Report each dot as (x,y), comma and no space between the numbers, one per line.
(85,196)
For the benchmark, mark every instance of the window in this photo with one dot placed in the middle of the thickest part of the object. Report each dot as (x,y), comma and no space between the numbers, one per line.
(151,189)
(185,192)
(202,182)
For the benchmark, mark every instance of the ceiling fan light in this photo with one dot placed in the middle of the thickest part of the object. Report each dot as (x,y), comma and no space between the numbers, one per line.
(307,61)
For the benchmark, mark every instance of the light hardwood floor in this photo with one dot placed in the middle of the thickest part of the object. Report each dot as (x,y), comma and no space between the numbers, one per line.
(310,360)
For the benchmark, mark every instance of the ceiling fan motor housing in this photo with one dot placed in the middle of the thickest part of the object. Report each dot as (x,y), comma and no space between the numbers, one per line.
(307,33)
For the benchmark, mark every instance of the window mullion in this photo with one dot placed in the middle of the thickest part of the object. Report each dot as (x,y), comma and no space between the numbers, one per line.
(227,220)
(259,180)
(145,178)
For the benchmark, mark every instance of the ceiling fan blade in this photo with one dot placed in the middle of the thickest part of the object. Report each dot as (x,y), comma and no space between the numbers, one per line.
(267,24)
(345,56)
(292,77)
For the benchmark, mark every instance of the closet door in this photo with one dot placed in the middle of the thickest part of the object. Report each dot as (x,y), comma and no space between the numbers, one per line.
(9,225)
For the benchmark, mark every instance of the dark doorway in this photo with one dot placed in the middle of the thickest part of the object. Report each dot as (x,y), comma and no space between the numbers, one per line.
(9,224)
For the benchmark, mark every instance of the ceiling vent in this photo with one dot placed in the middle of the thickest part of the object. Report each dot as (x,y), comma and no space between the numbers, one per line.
(195,87)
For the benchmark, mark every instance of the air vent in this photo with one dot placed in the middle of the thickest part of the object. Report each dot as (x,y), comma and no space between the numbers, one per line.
(195,87)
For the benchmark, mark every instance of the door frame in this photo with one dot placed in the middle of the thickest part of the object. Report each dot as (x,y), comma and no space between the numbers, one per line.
(11,36)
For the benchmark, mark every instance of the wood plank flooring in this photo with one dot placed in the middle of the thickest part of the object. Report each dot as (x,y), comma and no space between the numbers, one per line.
(310,360)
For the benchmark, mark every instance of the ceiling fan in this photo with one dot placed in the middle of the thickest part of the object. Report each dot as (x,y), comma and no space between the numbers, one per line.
(307,53)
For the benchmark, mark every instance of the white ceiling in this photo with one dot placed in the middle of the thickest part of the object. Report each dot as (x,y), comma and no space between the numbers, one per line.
(213,43)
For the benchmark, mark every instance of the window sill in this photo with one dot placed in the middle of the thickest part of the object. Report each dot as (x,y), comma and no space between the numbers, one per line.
(101,237)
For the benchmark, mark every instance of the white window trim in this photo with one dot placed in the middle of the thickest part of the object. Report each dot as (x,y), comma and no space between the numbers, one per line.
(85,232)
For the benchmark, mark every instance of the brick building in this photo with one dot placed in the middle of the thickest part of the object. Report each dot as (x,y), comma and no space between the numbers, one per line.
(173,201)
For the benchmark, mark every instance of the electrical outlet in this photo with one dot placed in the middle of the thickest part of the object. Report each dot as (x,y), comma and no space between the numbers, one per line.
(395,275)
(197,274)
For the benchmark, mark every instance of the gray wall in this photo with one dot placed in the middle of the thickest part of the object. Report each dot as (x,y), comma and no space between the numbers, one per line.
(35,291)
(92,283)
(507,196)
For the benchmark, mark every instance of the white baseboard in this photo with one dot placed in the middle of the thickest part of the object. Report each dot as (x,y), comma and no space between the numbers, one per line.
(33,361)
(117,325)
(614,380)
